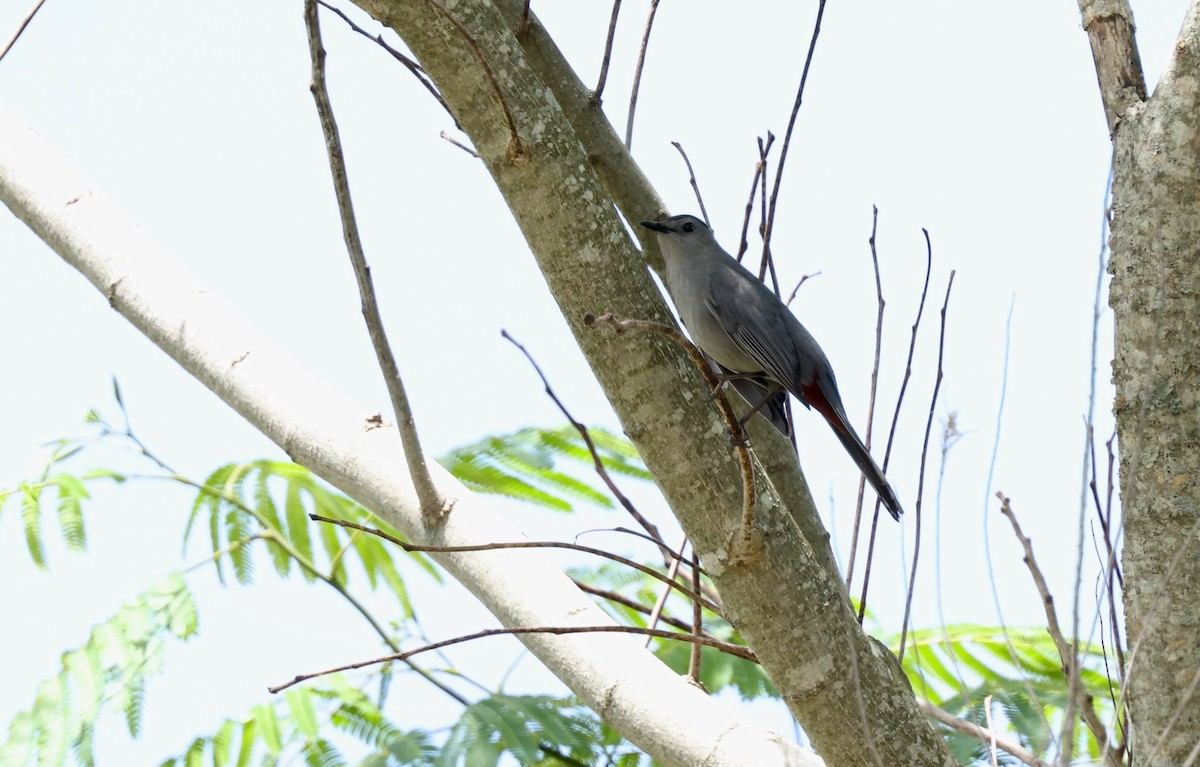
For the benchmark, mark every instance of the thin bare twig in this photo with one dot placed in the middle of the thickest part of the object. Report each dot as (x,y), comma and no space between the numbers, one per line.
(787,136)
(446,136)
(731,421)
(1108,594)
(637,75)
(767,263)
(985,736)
(271,535)
(516,145)
(433,505)
(987,710)
(887,452)
(692,179)
(1066,653)
(760,168)
(417,70)
(1112,567)
(651,530)
(1089,485)
(632,604)
(737,651)
(660,604)
(1014,658)
(21,28)
(937,386)
(764,149)
(1103,511)
(803,279)
(608,44)
(862,480)
(697,622)
(950,437)
(708,591)
(411,547)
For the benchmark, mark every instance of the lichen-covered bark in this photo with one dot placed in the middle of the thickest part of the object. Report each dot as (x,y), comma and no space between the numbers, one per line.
(782,592)
(1155,298)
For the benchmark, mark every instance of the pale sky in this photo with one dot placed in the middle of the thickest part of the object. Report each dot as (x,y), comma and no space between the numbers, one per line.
(982,125)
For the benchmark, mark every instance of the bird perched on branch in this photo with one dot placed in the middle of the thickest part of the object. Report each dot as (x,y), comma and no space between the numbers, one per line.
(742,325)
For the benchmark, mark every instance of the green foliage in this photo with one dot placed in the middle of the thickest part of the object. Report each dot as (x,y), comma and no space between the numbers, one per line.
(524,465)
(266,504)
(518,725)
(63,492)
(241,501)
(958,667)
(717,669)
(109,671)
(280,731)
(242,505)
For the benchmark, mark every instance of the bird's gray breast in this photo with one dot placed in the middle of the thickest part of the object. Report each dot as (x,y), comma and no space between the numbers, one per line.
(703,301)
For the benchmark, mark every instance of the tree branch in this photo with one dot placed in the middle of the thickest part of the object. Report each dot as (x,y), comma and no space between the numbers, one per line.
(1069,659)
(1109,27)
(566,212)
(734,650)
(319,429)
(433,506)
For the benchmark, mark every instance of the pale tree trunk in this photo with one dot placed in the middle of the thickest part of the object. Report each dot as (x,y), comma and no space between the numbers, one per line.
(618,677)
(1155,298)
(561,176)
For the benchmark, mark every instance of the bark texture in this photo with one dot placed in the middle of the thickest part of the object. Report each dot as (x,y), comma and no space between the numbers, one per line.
(562,180)
(623,682)
(1155,297)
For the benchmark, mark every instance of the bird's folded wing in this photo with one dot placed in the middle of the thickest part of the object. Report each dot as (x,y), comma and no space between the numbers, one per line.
(750,338)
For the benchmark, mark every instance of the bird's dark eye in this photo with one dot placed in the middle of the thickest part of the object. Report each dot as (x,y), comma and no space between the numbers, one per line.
(688,227)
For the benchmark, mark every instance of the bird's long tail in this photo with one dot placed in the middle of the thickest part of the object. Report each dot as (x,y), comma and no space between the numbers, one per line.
(836,416)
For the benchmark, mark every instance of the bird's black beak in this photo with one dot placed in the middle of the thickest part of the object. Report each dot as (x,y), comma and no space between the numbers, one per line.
(657,227)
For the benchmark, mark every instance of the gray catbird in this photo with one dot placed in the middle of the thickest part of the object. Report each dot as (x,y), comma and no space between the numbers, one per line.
(742,325)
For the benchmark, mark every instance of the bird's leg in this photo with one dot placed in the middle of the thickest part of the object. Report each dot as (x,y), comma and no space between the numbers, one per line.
(775,389)
(741,438)
(724,379)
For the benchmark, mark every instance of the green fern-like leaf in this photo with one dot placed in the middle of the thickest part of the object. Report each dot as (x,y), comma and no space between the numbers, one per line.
(957,667)
(267,515)
(71,494)
(718,670)
(321,753)
(298,525)
(525,465)
(410,749)
(222,744)
(31,519)
(21,745)
(67,493)
(294,725)
(108,671)
(248,741)
(269,728)
(517,725)
(304,715)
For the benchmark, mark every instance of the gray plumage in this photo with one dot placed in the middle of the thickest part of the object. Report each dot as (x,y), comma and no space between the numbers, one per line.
(746,329)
